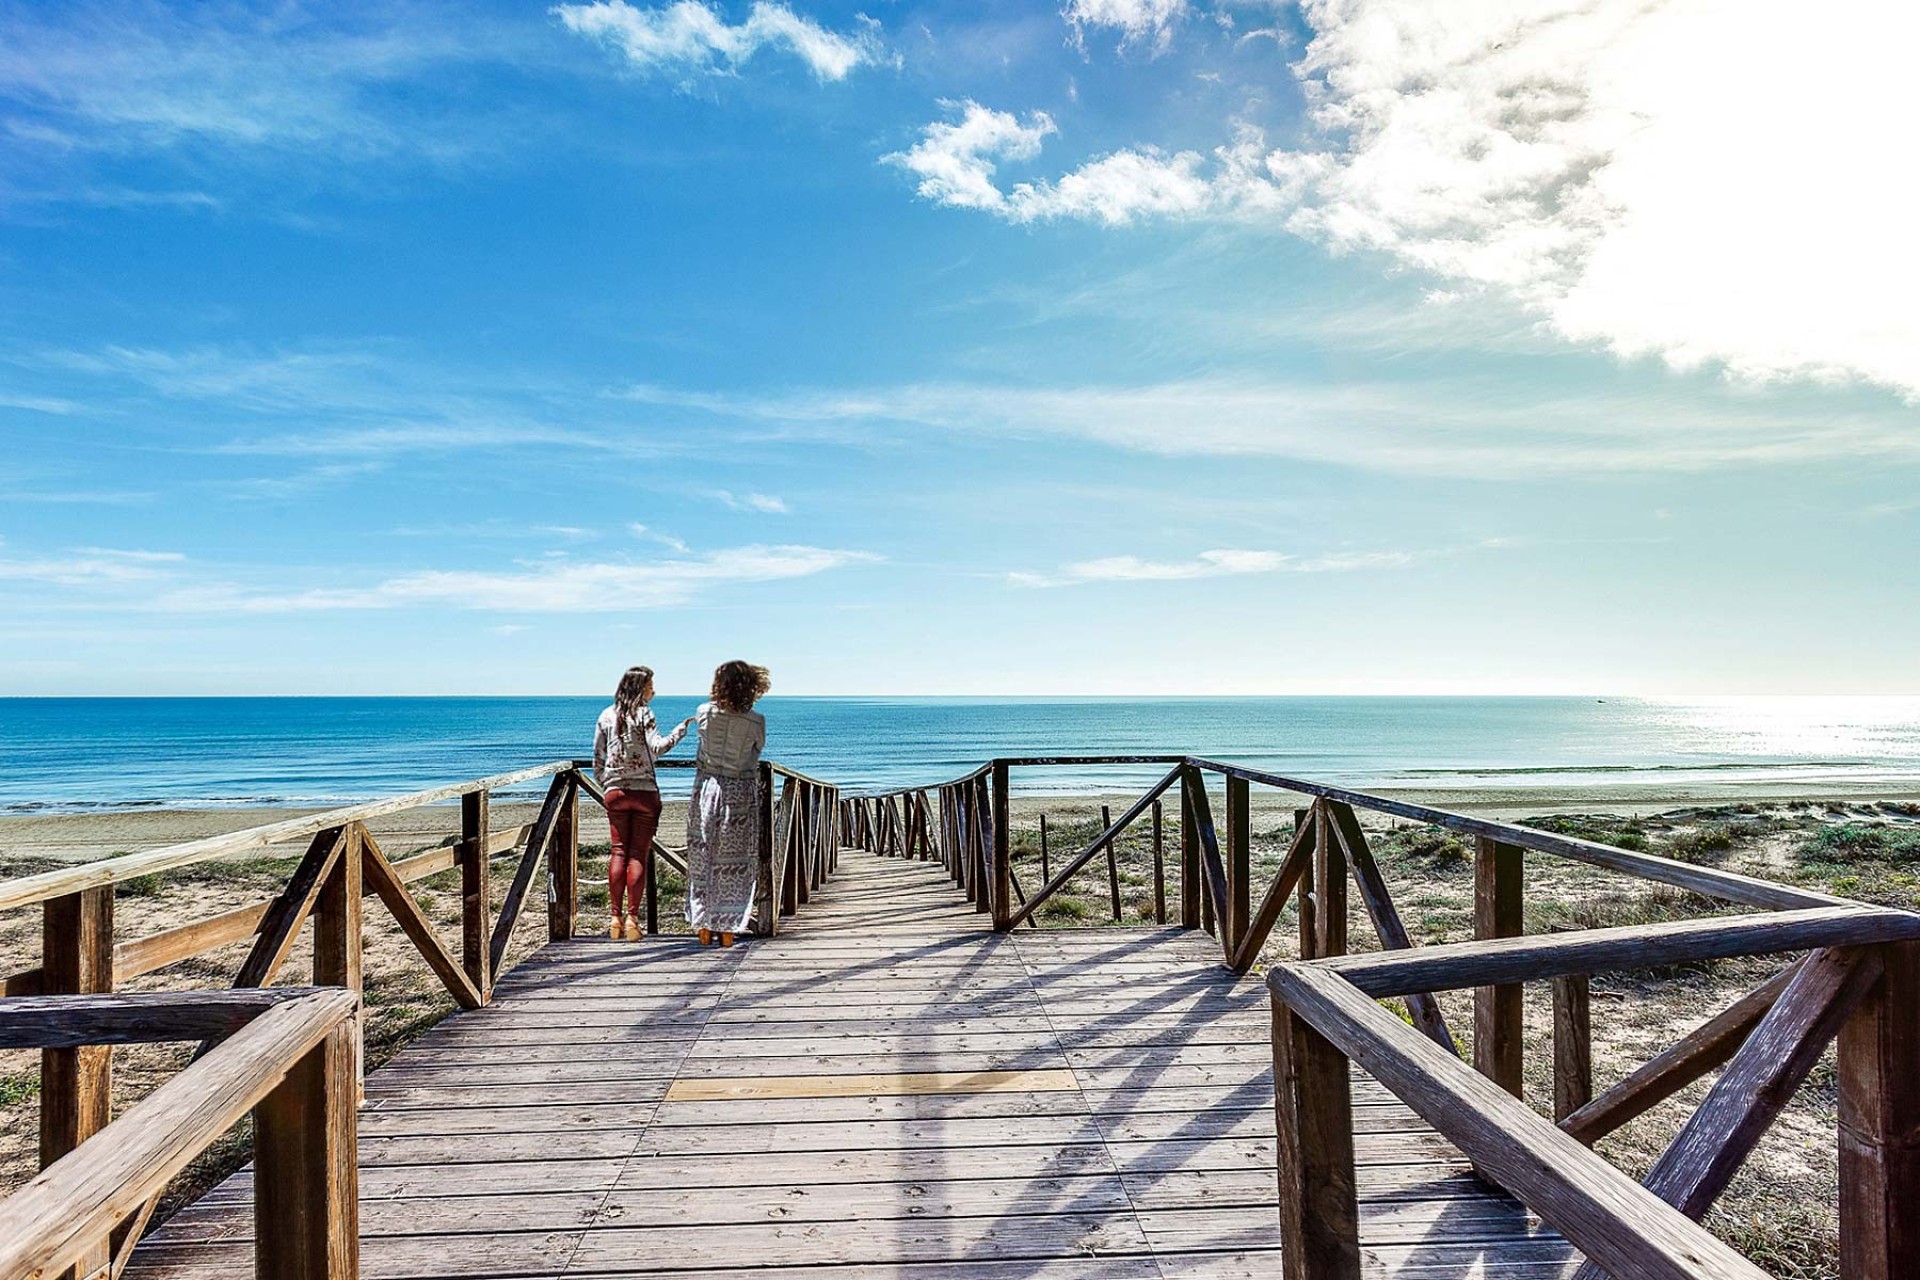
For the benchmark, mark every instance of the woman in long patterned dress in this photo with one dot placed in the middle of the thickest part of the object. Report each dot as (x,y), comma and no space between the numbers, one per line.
(723,815)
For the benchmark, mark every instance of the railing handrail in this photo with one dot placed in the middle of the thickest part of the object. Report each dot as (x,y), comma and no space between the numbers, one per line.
(63,1212)
(1728,885)
(39,887)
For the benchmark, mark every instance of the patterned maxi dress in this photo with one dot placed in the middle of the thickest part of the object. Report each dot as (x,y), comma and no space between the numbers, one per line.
(723,820)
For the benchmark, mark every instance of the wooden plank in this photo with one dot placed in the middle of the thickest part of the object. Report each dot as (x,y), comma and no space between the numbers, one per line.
(1878,1066)
(48,884)
(59,1216)
(1538,957)
(516,896)
(1113,868)
(148,1017)
(289,911)
(1572,1046)
(140,956)
(1002,851)
(1708,881)
(1239,861)
(476,891)
(1345,824)
(1674,1068)
(1313,1120)
(1214,874)
(1499,1036)
(76,1084)
(1614,1220)
(877,1085)
(336,933)
(306,1167)
(563,864)
(377,871)
(1159,865)
(1762,1078)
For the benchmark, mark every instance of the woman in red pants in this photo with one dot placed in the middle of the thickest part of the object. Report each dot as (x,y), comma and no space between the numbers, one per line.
(626,742)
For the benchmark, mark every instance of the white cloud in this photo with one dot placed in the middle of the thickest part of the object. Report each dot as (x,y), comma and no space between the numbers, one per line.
(689,36)
(1152,20)
(1633,172)
(550,586)
(89,567)
(956,162)
(667,540)
(1449,427)
(764,503)
(1208,564)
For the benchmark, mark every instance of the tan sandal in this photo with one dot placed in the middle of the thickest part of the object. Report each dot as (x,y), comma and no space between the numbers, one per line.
(635,931)
(615,929)
(706,937)
(726,939)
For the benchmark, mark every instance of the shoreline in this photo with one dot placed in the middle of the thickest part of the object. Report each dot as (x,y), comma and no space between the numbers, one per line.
(93,834)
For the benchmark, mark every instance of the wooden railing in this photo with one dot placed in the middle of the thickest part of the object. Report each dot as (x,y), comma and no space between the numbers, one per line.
(82,959)
(285,1055)
(1860,985)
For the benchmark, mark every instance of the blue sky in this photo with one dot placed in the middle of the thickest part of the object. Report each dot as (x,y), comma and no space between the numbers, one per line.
(1121,346)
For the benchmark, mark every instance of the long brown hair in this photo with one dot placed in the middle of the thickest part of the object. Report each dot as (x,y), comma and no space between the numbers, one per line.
(629,698)
(738,685)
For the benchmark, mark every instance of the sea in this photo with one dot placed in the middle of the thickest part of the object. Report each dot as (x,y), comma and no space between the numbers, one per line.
(73,754)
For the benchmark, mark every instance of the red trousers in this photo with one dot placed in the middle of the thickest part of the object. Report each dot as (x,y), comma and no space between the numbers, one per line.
(634,817)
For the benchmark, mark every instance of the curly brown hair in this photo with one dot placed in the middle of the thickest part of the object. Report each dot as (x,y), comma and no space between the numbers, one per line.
(738,685)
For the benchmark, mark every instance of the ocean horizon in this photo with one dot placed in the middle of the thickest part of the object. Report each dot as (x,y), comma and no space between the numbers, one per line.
(91,754)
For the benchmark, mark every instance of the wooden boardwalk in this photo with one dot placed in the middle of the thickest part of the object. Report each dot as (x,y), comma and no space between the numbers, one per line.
(885,1090)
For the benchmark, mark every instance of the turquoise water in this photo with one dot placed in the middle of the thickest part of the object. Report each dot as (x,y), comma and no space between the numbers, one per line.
(63,753)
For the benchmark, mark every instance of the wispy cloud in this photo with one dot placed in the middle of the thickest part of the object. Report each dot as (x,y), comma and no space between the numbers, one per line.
(763,503)
(654,535)
(1208,564)
(90,567)
(688,37)
(1449,427)
(550,586)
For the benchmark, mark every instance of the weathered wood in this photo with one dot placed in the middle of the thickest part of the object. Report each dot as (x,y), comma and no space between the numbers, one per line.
(1194,795)
(147,1017)
(1762,1077)
(1617,1222)
(516,896)
(337,934)
(1537,957)
(62,1215)
(1293,867)
(1113,867)
(64,880)
(1572,1045)
(1345,825)
(139,956)
(76,1084)
(766,908)
(1710,881)
(1046,872)
(1313,1122)
(1674,1068)
(476,890)
(1189,866)
(1159,866)
(1087,854)
(1002,851)
(1498,1008)
(1878,1065)
(413,922)
(1307,820)
(289,912)
(563,864)
(306,1168)
(1239,860)
(1329,888)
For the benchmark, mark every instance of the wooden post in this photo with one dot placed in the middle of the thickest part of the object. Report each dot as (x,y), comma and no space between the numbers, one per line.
(1330,888)
(306,1172)
(336,938)
(1498,1012)
(986,839)
(788,839)
(1159,868)
(1572,1046)
(1190,894)
(1113,865)
(563,867)
(76,1085)
(1239,858)
(1309,935)
(1878,1064)
(1002,849)
(767,909)
(476,891)
(1046,871)
(1313,1119)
